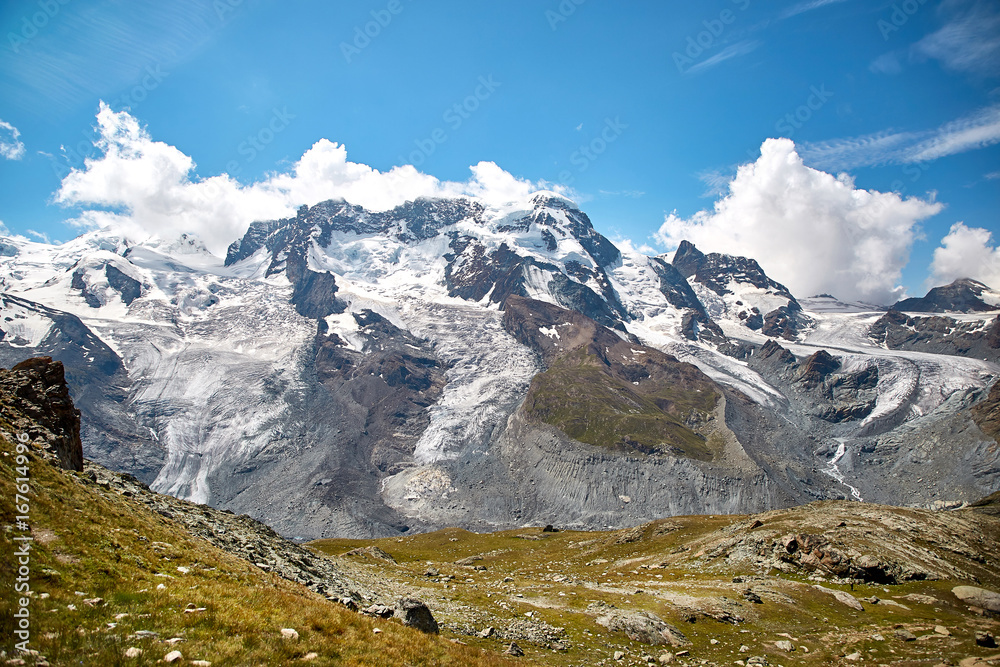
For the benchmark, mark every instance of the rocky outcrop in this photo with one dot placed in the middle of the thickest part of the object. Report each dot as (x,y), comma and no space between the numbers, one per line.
(98,384)
(719,273)
(36,402)
(643,627)
(978,597)
(979,339)
(239,535)
(962,296)
(415,614)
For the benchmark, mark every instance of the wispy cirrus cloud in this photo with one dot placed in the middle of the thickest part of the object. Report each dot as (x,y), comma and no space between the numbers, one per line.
(972,132)
(735,50)
(969,40)
(808,6)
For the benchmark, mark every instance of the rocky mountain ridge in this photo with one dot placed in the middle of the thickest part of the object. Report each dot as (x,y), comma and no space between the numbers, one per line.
(406,369)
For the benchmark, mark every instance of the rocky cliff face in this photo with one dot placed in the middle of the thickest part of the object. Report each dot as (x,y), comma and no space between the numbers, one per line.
(938,334)
(372,373)
(961,296)
(35,401)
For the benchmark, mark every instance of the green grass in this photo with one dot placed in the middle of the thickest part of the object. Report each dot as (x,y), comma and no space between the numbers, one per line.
(99,543)
(562,573)
(582,398)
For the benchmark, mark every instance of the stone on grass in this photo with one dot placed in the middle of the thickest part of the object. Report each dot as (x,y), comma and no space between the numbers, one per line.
(978,597)
(289,633)
(173,656)
(415,614)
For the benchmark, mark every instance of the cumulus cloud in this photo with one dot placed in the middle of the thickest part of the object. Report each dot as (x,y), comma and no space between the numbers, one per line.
(966,252)
(148,188)
(11,147)
(810,230)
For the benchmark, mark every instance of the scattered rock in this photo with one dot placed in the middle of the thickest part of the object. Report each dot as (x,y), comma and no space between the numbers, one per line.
(312,655)
(666,658)
(514,650)
(619,655)
(905,635)
(845,598)
(200,663)
(133,652)
(853,657)
(379,611)
(415,614)
(985,639)
(785,645)
(941,630)
(372,551)
(643,627)
(486,634)
(979,597)
(289,633)
(173,656)
(432,572)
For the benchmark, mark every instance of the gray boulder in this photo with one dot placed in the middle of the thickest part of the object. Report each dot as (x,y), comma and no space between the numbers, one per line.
(415,614)
(978,597)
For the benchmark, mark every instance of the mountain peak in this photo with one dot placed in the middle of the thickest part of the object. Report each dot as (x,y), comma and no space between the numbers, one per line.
(964,295)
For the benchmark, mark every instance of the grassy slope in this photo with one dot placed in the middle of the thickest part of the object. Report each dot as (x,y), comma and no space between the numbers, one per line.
(557,576)
(581,397)
(102,544)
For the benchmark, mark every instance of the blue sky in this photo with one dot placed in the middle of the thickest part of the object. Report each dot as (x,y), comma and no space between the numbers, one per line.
(641,110)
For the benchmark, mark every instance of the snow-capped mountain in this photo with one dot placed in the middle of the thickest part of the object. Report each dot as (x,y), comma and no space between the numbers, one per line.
(355,372)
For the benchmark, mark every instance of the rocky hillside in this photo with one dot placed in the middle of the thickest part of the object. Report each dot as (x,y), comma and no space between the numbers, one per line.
(121,575)
(351,372)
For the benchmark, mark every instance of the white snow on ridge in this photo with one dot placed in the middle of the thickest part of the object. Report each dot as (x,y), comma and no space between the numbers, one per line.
(22,327)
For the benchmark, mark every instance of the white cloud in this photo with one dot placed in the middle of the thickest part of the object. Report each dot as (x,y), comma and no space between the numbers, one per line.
(3,229)
(810,230)
(716,180)
(11,147)
(148,188)
(807,6)
(970,39)
(977,130)
(966,252)
(887,63)
(738,49)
